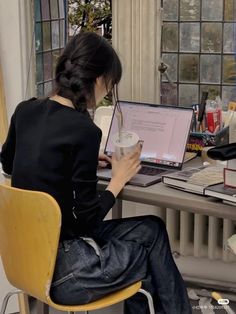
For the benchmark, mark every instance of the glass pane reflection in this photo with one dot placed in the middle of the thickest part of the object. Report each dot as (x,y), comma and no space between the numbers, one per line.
(189,37)
(210,68)
(189,68)
(212,10)
(169,94)
(170,10)
(188,94)
(170,37)
(189,10)
(229,70)
(211,37)
(171,60)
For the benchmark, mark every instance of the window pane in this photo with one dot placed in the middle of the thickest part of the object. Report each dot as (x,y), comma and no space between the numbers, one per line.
(189,68)
(37,10)
(47,66)
(61,8)
(46,36)
(54,9)
(171,61)
(229,70)
(55,34)
(210,68)
(38,37)
(62,33)
(170,37)
(189,10)
(211,37)
(55,55)
(230,10)
(212,10)
(45,9)
(213,90)
(39,67)
(40,90)
(47,88)
(168,94)
(228,94)
(229,37)
(170,8)
(189,37)
(188,95)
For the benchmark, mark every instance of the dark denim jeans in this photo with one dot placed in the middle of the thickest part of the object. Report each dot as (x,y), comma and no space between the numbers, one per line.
(130,249)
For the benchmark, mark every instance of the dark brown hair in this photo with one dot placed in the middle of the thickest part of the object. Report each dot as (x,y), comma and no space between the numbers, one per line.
(86,57)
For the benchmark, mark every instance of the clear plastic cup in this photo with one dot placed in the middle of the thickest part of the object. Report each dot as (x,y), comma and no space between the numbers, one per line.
(125,143)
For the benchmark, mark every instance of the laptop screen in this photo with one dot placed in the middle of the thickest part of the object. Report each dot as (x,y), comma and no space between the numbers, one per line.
(164,131)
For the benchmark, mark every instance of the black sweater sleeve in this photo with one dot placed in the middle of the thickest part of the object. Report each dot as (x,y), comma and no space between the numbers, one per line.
(8,148)
(90,207)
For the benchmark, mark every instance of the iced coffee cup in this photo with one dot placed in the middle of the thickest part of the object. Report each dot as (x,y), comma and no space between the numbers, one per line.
(125,143)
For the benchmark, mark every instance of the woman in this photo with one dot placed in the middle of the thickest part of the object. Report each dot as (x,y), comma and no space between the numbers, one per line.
(53,146)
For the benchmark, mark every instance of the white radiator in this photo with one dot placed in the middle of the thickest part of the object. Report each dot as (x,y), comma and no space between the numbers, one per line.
(198,244)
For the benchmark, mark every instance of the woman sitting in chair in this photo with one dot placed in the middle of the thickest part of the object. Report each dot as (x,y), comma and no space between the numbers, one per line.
(53,146)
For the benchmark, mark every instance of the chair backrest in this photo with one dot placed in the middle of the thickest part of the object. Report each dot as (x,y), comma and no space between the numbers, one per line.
(30,224)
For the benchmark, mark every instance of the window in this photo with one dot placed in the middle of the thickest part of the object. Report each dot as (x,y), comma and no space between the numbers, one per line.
(198,45)
(50,38)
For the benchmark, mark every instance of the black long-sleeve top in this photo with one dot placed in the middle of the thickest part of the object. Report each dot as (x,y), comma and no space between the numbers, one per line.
(54,148)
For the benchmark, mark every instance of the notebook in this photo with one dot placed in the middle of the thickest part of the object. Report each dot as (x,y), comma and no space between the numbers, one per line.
(164,131)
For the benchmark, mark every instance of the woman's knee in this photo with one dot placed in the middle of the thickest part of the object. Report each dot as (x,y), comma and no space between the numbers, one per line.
(155,222)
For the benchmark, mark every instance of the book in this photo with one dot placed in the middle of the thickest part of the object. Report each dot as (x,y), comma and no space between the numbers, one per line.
(194,180)
(229,203)
(223,192)
(230,177)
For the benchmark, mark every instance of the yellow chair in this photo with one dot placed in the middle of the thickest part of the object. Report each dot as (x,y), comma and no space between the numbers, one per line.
(30,225)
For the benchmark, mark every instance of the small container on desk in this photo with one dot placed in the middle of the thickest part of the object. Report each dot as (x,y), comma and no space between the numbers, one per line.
(198,140)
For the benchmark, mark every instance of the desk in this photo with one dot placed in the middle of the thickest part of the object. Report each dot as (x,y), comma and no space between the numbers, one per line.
(164,196)
(203,226)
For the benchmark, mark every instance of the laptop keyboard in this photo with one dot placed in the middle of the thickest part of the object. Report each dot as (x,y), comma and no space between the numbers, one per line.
(150,171)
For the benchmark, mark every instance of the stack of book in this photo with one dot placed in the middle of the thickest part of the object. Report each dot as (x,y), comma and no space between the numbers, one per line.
(194,180)
(227,194)
(226,190)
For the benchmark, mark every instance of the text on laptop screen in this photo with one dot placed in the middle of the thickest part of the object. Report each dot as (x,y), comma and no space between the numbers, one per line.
(163,130)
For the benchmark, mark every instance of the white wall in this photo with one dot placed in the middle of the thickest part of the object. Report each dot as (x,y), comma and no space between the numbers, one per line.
(15,48)
(15,43)
(136,36)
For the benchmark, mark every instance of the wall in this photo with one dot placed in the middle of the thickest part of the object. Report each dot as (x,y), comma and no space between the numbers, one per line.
(15,48)
(136,37)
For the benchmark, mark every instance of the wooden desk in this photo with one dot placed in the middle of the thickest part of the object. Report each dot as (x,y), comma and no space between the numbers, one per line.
(164,196)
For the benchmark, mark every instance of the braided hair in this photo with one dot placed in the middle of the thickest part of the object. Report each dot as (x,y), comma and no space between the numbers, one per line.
(86,57)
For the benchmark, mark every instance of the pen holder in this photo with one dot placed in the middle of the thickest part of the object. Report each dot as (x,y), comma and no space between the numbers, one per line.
(198,140)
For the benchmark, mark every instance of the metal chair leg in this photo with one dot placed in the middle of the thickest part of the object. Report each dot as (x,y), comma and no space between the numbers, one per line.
(150,300)
(6,299)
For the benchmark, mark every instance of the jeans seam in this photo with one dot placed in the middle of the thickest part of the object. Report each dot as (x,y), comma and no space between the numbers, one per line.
(62,280)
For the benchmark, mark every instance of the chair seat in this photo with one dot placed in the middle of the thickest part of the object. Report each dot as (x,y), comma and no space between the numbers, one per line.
(106,301)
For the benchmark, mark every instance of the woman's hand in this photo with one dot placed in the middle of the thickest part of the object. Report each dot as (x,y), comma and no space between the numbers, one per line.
(124,169)
(103,160)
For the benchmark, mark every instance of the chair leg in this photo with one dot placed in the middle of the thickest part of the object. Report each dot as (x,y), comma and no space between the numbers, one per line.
(150,300)
(6,299)
(23,301)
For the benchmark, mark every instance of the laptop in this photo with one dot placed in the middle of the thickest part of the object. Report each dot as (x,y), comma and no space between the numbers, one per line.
(164,131)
